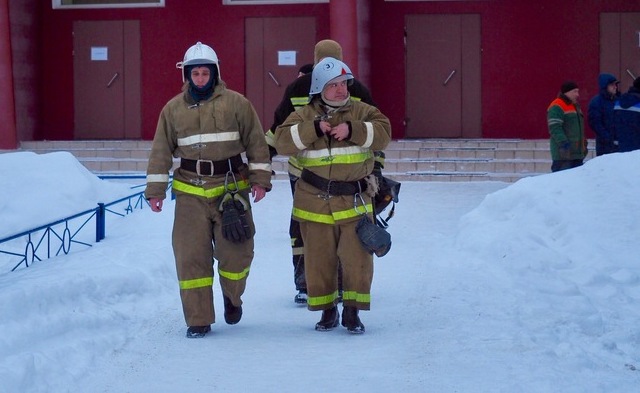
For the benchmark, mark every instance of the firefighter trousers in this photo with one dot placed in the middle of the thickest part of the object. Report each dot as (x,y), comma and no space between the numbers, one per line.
(197,243)
(326,247)
(297,248)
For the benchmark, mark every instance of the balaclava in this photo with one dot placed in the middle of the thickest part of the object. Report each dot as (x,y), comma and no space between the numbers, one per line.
(205,92)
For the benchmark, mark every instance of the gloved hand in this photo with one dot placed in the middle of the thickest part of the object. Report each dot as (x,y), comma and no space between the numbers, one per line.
(565,151)
(234,221)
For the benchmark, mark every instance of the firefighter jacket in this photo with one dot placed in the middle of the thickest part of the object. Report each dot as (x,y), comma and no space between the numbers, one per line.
(296,96)
(348,160)
(222,127)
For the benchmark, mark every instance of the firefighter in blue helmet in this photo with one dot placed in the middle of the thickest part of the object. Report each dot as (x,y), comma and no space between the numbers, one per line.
(296,96)
(334,139)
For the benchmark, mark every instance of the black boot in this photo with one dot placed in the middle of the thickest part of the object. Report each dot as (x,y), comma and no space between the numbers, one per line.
(329,320)
(198,331)
(301,297)
(232,314)
(340,282)
(351,321)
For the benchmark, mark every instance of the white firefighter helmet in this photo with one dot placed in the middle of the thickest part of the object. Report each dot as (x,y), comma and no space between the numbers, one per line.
(327,70)
(198,54)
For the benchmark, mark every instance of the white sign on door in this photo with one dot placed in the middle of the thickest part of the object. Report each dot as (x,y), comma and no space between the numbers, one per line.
(287,57)
(99,53)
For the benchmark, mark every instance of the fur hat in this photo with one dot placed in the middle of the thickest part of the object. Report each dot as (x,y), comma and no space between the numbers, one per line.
(568,86)
(327,48)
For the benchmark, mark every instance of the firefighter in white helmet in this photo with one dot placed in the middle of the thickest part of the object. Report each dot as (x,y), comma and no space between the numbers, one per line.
(334,138)
(208,127)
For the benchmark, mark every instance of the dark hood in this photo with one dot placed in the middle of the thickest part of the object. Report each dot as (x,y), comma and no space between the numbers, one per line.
(605,79)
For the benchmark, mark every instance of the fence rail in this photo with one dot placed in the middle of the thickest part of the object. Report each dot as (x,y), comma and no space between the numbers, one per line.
(57,237)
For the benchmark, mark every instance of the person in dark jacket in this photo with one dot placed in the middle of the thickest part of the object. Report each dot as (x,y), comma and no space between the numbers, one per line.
(296,96)
(600,115)
(627,118)
(566,129)
(305,69)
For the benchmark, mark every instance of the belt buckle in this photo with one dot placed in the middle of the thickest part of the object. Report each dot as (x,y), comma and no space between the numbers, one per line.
(199,172)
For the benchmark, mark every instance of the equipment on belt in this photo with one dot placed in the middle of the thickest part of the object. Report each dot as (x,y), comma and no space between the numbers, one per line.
(372,237)
(234,206)
(388,191)
(235,227)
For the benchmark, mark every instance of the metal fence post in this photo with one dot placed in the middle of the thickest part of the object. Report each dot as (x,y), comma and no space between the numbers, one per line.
(100,222)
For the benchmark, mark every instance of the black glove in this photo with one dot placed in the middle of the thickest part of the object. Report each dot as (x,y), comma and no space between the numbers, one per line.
(234,222)
(378,164)
(565,151)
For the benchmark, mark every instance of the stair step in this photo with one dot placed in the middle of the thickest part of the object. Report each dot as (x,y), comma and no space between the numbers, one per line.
(410,160)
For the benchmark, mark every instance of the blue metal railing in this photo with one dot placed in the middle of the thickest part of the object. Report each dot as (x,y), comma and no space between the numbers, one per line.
(57,237)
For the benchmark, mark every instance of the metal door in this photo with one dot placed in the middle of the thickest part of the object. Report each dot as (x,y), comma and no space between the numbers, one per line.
(620,46)
(275,49)
(106,75)
(443,76)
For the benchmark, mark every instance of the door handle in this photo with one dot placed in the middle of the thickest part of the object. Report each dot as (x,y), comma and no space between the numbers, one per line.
(273,78)
(631,74)
(449,78)
(115,76)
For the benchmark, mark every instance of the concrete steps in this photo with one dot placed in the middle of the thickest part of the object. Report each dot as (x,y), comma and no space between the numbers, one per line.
(505,160)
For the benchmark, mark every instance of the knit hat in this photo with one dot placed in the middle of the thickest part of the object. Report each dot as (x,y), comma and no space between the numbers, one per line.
(568,86)
(636,83)
(327,48)
(305,69)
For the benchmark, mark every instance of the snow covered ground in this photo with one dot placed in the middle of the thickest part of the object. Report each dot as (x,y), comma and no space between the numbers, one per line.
(489,287)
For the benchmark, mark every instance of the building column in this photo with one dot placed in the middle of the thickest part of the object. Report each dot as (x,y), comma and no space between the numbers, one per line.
(8,133)
(343,17)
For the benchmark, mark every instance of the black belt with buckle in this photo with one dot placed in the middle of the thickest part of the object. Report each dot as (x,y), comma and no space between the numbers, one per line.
(333,187)
(210,168)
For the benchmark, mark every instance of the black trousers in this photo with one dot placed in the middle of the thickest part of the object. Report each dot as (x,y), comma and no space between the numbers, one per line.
(561,165)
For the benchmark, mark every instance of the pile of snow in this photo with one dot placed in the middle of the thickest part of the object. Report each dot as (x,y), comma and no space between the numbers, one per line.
(488,287)
(43,188)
